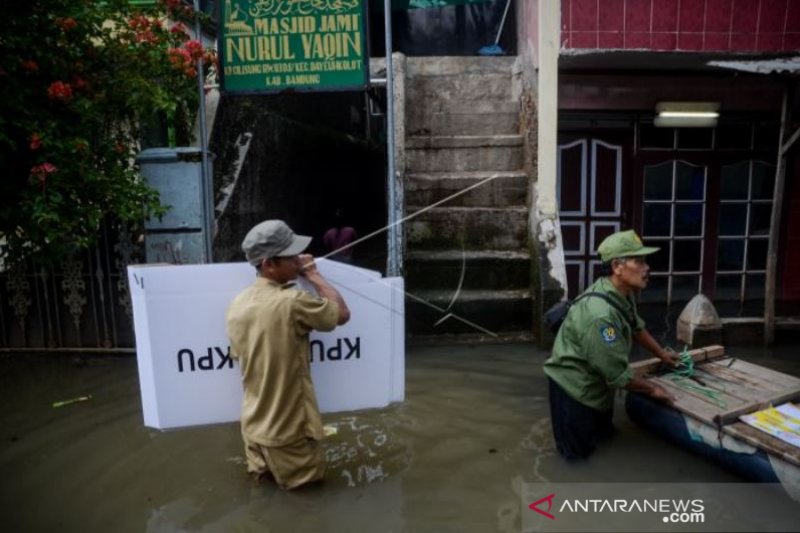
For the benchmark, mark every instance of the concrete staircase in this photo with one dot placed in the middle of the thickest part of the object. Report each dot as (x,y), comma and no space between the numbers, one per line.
(462,127)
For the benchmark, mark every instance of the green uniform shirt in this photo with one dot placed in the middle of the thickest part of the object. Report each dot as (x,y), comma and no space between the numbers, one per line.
(590,353)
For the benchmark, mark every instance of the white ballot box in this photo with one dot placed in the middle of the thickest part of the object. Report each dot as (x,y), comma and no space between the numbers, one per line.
(186,374)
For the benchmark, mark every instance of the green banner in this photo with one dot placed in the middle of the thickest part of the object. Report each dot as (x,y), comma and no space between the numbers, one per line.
(310,45)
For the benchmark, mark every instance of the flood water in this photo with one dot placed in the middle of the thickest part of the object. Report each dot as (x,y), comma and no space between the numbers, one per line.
(452,457)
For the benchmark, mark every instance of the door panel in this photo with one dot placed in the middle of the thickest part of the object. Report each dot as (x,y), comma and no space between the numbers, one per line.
(572,178)
(590,198)
(606,179)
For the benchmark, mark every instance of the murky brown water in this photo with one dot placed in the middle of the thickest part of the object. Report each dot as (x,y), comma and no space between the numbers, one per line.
(451,458)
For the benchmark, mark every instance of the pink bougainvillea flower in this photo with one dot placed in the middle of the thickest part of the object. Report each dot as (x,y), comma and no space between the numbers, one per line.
(139,22)
(79,83)
(146,36)
(66,24)
(60,91)
(195,49)
(179,58)
(179,29)
(36,141)
(40,172)
(30,65)
(178,8)
(191,72)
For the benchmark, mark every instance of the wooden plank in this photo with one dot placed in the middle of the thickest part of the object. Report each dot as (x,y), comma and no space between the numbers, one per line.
(735,383)
(649,366)
(733,415)
(761,375)
(740,378)
(722,403)
(746,387)
(690,403)
(764,441)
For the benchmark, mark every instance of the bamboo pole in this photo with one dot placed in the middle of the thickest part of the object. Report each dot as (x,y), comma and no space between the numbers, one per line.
(775,228)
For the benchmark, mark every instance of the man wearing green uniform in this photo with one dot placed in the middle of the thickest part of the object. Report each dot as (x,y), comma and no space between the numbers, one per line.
(590,354)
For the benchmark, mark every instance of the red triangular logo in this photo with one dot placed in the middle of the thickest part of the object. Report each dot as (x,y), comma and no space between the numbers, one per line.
(549,500)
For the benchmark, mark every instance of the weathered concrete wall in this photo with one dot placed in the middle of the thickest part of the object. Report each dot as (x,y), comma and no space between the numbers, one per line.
(297,157)
(463,139)
(528,30)
(538,71)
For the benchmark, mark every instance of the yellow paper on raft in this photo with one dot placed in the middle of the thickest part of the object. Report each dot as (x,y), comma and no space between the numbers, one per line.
(782,422)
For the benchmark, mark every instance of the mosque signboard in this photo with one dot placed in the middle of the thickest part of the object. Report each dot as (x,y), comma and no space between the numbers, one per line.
(188,377)
(268,46)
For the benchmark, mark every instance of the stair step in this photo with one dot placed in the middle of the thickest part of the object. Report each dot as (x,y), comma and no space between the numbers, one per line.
(462,141)
(487,311)
(442,298)
(460,88)
(456,255)
(472,228)
(427,107)
(479,108)
(462,130)
(502,188)
(447,65)
(464,153)
(487,270)
(444,123)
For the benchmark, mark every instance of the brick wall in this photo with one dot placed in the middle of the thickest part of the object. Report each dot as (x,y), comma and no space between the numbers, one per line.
(683,25)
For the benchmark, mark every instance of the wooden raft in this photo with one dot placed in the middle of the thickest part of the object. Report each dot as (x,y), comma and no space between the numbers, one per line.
(740,388)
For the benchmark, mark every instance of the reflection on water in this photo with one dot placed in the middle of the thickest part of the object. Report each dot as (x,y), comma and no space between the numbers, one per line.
(453,457)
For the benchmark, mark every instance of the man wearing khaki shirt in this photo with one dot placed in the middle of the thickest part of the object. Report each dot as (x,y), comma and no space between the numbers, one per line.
(268,325)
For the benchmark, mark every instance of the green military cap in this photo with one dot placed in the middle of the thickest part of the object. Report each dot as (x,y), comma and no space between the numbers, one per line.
(623,244)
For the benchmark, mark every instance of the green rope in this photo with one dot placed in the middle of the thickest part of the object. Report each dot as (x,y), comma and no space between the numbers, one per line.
(685,367)
(681,377)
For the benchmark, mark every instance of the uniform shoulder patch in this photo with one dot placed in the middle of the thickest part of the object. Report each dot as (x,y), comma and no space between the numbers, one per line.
(609,333)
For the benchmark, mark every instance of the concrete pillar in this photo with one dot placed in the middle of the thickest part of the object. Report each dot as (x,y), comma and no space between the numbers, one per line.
(544,224)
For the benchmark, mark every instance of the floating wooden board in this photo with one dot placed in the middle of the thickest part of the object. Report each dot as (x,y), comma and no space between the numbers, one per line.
(649,366)
(738,387)
(764,441)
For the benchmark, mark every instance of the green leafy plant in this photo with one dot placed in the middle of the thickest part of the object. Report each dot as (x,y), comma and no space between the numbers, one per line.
(79,80)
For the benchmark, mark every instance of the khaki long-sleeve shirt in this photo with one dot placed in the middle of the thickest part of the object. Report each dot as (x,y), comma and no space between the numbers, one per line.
(268,326)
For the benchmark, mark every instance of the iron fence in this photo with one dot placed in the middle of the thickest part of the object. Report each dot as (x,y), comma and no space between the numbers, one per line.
(82,304)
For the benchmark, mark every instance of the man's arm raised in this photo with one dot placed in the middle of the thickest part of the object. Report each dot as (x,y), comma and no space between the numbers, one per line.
(323,288)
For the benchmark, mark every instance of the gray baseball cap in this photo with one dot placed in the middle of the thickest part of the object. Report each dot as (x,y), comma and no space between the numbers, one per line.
(272,238)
